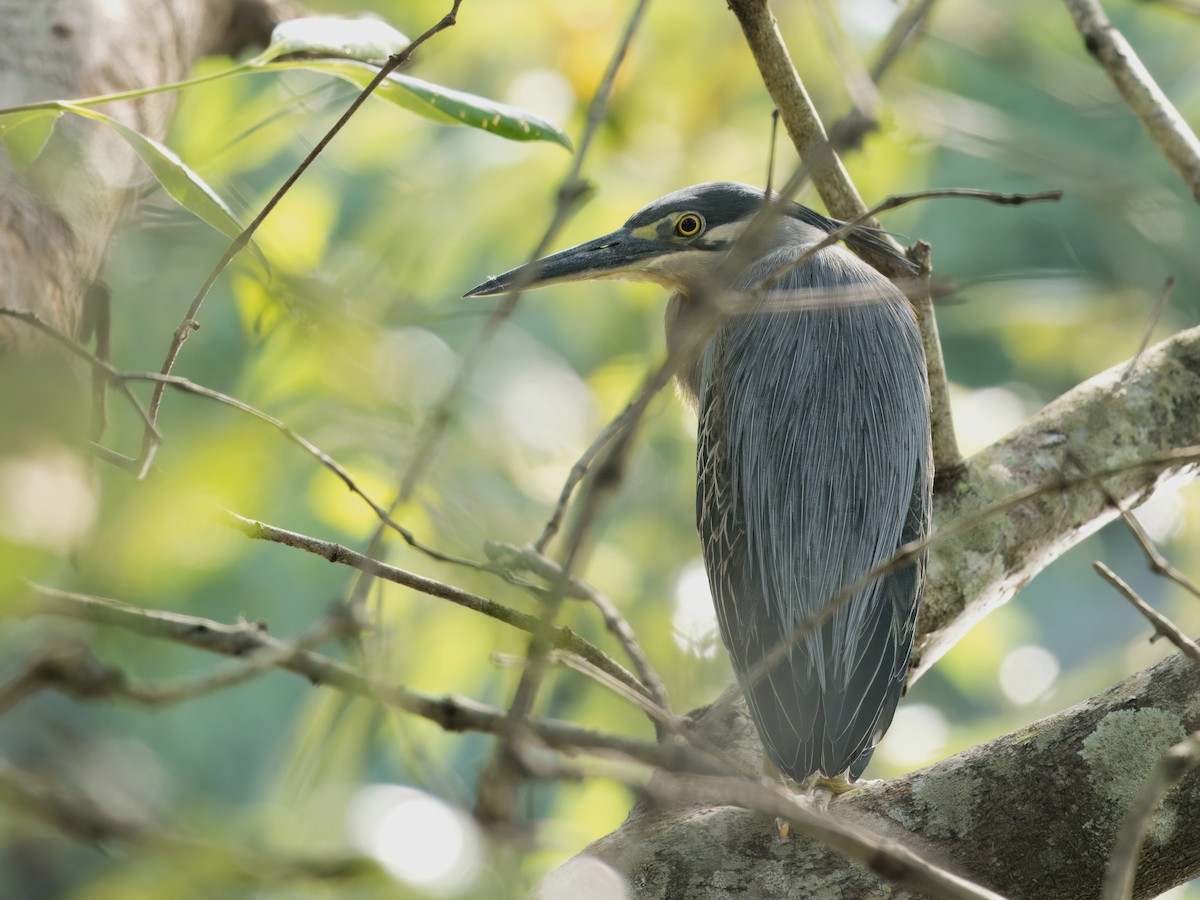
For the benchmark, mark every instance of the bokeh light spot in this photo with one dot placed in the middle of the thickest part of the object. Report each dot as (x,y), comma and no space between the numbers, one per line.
(1027,672)
(46,500)
(918,732)
(417,838)
(694,621)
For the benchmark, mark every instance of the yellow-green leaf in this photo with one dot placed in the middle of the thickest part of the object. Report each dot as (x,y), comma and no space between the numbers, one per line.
(440,103)
(367,39)
(25,134)
(187,188)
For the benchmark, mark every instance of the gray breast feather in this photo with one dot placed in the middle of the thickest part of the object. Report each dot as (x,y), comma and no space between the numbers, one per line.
(814,466)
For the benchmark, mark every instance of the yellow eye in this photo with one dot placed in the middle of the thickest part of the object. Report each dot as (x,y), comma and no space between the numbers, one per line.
(689,225)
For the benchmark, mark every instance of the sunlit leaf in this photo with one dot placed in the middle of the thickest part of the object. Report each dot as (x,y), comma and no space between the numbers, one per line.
(441,104)
(370,40)
(25,134)
(185,186)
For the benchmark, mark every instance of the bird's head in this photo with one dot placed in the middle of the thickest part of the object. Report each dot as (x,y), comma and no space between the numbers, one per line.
(676,241)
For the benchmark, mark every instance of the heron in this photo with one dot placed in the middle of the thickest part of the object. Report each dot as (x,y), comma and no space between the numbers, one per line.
(813,461)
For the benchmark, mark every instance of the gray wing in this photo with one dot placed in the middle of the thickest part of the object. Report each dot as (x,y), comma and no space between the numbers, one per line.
(813,465)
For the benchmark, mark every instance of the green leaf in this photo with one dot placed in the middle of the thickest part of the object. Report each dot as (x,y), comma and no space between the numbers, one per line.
(367,39)
(438,103)
(25,134)
(185,186)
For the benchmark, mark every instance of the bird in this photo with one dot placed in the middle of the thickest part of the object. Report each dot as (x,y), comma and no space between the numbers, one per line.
(813,461)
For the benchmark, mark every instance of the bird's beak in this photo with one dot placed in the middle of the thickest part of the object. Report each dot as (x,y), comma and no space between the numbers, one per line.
(614,255)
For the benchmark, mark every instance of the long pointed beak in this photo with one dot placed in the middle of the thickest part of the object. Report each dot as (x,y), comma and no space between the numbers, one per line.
(610,256)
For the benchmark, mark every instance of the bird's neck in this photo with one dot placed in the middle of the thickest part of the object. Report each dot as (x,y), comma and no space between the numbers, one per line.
(688,376)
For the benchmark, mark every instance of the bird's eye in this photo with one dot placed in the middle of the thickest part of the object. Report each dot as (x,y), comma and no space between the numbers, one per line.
(689,225)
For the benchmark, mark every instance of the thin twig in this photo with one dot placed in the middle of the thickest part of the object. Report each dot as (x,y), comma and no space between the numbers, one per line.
(576,475)
(529,558)
(1162,625)
(1145,99)
(570,191)
(905,29)
(98,364)
(77,813)
(563,638)
(74,670)
(452,713)
(121,378)
(1159,308)
(1183,6)
(189,323)
(499,781)
(1158,563)
(1177,762)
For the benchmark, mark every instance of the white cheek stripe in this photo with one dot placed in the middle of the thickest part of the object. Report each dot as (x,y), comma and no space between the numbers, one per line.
(727,232)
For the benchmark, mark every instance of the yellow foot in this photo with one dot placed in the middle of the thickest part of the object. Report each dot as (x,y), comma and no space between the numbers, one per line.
(835,786)
(782,830)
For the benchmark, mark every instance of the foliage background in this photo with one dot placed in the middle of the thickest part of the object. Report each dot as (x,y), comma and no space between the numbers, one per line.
(357,328)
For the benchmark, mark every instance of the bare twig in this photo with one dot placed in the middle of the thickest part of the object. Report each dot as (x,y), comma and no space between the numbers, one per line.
(563,638)
(121,378)
(1158,563)
(576,475)
(904,30)
(1183,6)
(570,190)
(1145,99)
(453,713)
(1162,625)
(72,668)
(499,781)
(616,623)
(77,814)
(848,131)
(189,323)
(99,365)
(1151,322)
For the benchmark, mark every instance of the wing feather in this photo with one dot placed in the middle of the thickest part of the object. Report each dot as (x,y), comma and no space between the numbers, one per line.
(814,466)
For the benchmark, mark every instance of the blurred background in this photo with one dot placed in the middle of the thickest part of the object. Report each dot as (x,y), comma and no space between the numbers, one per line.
(357,328)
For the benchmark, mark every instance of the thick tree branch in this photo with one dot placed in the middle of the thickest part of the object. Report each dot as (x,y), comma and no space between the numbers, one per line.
(974,814)
(1108,422)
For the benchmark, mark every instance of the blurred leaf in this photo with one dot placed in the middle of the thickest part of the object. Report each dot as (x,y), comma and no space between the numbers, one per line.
(441,104)
(370,40)
(185,186)
(25,134)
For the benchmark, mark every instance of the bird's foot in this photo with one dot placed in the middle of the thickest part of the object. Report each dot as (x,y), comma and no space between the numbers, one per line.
(782,830)
(835,786)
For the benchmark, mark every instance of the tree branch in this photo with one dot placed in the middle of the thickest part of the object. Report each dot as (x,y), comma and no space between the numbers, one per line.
(842,199)
(973,813)
(1106,423)
(1145,99)
(453,713)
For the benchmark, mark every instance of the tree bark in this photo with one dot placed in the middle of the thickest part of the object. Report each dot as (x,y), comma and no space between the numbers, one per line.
(1031,814)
